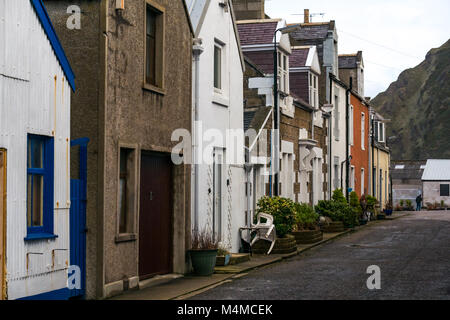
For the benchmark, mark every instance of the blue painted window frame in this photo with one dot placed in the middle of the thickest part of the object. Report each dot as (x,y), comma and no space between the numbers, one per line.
(47,172)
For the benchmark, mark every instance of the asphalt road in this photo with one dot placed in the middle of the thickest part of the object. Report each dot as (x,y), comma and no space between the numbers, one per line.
(413,254)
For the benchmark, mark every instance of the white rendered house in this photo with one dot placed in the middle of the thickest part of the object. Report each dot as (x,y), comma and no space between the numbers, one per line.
(218,181)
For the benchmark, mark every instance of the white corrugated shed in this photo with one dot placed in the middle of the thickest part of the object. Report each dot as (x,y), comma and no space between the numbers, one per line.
(437,170)
(34,99)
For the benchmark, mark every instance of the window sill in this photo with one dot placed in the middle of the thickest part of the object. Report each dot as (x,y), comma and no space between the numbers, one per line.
(40,236)
(220,101)
(126,237)
(154,89)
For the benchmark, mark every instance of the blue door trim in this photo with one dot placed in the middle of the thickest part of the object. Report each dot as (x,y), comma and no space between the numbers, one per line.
(78,198)
(61,294)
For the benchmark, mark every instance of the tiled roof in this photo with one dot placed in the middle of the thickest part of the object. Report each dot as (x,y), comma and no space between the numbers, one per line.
(347,62)
(411,170)
(298,57)
(301,101)
(437,170)
(310,31)
(253,33)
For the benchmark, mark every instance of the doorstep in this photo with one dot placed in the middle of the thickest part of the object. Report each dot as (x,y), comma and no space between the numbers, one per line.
(158,280)
(175,288)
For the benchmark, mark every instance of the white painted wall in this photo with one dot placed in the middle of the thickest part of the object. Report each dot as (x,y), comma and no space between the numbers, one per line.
(339,140)
(31,101)
(432,193)
(221,111)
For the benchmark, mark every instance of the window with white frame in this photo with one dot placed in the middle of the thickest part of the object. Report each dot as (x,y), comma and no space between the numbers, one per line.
(313,90)
(336,117)
(363,131)
(283,72)
(363,181)
(381,132)
(217,66)
(352,127)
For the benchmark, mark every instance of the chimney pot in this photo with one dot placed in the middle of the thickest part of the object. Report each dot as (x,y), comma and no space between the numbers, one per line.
(306,15)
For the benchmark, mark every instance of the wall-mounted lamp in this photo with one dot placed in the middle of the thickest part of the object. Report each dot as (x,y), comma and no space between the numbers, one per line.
(120,4)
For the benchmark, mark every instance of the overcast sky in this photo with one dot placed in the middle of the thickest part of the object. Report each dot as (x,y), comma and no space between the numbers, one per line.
(394,35)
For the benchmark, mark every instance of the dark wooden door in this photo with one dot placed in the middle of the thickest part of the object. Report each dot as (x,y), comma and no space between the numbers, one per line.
(155,232)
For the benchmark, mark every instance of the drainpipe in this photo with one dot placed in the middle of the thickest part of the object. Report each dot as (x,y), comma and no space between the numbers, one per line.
(197,50)
(331,137)
(250,195)
(347,134)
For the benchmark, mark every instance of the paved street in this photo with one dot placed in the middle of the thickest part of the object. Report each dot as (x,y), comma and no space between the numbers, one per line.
(413,253)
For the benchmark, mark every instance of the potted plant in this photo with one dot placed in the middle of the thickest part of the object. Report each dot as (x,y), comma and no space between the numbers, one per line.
(306,230)
(357,207)
(283,212)
(409,205)
(389,208)
(223,257)
(340,212)
(203,252)
(402,204)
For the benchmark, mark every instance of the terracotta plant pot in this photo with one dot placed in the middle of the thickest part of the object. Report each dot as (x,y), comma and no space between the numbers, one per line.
(203,261)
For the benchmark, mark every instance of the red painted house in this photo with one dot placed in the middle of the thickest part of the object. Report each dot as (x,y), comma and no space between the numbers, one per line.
(351,66)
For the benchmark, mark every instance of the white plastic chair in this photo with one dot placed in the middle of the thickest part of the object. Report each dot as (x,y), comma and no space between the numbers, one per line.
(265,230)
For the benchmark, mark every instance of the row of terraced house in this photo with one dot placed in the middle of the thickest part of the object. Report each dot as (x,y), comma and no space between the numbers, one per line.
(125,125)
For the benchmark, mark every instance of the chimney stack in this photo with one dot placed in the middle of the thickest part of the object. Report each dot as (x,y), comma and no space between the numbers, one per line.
(306,15)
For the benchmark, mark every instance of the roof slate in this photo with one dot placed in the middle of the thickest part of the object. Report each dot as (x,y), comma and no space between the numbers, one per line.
(255,33)
(347,62)
(298,57)
(310,31)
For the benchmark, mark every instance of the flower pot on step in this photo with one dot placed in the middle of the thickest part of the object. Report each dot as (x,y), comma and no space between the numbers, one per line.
(282,246)
(203,261)
(222,261)
(308,236)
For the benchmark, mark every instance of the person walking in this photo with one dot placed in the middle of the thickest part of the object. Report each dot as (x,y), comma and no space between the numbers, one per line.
(419,201)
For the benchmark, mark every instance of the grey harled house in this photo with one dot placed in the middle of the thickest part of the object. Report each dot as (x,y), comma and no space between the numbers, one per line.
(133,71)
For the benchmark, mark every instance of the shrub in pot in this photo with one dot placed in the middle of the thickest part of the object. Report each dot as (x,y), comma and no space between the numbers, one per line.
(203,252)
(357,208)
(409,205)
(338,210)
(283,213)
(306,229)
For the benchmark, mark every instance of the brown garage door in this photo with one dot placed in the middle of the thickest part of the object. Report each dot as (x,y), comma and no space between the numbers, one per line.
(155,232)
(2,222)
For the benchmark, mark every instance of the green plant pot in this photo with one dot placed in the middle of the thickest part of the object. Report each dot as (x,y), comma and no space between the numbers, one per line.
(203,261)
